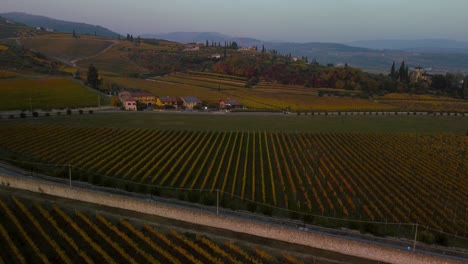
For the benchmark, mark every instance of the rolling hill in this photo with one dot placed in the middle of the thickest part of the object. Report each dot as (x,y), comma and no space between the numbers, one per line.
(59,25)
(427,45)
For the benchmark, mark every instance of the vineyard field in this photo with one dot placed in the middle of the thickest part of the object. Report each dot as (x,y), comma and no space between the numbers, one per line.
(33,231)
(19,94)
(275,122)
(398,178)
(64,46)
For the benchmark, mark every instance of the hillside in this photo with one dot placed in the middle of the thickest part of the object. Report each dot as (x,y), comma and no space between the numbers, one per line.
(11,29)
(59,25)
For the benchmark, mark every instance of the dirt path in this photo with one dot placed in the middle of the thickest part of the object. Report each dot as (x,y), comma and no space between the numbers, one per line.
(114,42)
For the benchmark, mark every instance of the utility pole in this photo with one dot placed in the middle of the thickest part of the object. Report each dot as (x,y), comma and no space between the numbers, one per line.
(415,237)
(217,201)
(69,174)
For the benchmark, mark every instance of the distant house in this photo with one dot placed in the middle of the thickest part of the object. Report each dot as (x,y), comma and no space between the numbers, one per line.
(173,101)
(232,103)
(216,56)
(251,48)
(128,102)
(192,47)
(191,101)
(146,98)
(418,75)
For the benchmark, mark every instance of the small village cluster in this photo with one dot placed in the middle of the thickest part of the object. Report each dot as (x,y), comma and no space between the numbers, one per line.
(130,100)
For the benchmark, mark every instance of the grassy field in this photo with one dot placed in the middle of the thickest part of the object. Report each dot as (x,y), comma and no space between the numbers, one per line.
(46,93)
(263,122)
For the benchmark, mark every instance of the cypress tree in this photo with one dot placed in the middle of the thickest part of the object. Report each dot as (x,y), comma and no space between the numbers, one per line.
(402,71)
(406,74)
(392,71)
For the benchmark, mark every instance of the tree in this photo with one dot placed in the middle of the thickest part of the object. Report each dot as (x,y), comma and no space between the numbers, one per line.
(93,76)
(234,45)
(74,33)
(403,72)
(207,44)
(465,88)
(392,72)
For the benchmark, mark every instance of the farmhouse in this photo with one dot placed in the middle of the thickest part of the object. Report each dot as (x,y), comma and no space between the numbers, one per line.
(171,101)
(192,47)
(191,101)
(128,102)
(230,103)
(146,98)
(419,74)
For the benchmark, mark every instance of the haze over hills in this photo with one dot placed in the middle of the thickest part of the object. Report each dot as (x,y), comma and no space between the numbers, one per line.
(433,55)
(427,45)
(436,55)
(59,25)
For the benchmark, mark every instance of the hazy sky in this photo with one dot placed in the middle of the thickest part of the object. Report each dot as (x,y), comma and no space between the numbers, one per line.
(289,20)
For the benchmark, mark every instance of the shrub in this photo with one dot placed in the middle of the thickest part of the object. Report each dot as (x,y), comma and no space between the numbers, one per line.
(90,112)
(308,219)
(293,215)
(155,191)
(426,237)
(441,239)
(47,114)
(69,111)
(143,188)
(80,111)
(23,115)
(194,196)
(208,199)
(251,207)
(267,210)
(35,114)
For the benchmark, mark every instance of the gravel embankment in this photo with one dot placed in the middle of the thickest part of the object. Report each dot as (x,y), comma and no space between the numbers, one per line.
(336,244)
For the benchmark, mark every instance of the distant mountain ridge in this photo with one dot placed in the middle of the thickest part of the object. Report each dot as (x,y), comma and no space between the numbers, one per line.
(436,55)
(59,25)
(429,45)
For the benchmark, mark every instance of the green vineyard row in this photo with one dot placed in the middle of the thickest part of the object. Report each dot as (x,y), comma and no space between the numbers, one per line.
(40,232)
(376,177)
